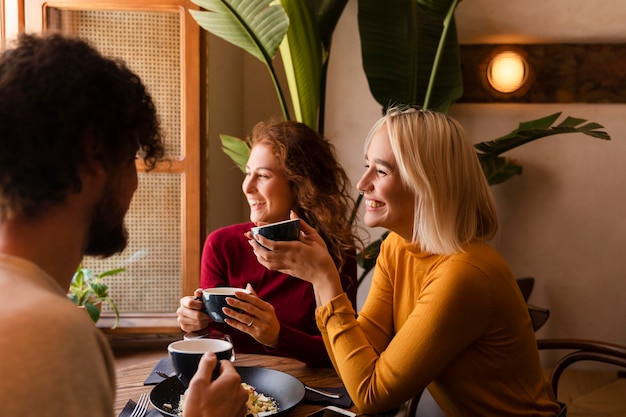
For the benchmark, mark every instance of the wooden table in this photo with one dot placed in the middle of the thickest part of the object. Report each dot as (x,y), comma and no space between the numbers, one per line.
(132,373)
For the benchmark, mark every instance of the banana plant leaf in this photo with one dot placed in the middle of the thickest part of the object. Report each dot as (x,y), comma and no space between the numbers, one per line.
(367,258)
(537,129)
(399,43)
(305,53)
(256,26)
(326,13)
(498,169)
(301,52)
(237,149)
(302,30)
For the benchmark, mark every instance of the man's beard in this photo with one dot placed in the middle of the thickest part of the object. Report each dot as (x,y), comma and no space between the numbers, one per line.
(107,234)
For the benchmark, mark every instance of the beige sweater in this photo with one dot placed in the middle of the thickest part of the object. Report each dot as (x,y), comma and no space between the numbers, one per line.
(53,360)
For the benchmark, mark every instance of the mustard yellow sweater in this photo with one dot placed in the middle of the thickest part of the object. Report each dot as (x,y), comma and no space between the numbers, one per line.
(456,323)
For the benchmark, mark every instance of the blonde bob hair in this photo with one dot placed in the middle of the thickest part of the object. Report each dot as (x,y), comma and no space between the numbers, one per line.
(438,164)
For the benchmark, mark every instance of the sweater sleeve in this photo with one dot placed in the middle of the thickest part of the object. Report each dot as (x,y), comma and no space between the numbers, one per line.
(305,347)
(310,348)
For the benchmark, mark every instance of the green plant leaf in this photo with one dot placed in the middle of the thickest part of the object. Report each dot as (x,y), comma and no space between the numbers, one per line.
(447,26)
(537,129)
(111,272)
(399,43)
(88,290)
(499,169)
(237,149)
(115,311)
(100,290)
(256,26)
(435,7)
(326,13)
(93,311)
(367,258)
(301,52)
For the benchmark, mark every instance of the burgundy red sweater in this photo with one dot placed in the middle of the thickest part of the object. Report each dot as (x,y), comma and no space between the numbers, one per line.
(228,260)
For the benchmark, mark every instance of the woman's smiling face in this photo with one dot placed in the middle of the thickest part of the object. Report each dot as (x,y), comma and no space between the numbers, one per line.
(388,203)
(266,188)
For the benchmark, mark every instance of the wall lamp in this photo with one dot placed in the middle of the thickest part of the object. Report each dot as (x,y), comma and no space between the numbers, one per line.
(507,71)
(544,73)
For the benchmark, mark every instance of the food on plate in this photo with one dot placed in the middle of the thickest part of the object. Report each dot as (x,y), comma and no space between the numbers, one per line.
(259,405)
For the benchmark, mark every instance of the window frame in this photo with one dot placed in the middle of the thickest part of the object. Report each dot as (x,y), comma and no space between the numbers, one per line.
(188,164)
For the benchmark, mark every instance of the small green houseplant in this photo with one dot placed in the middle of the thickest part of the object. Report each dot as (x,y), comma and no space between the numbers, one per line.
(87,290)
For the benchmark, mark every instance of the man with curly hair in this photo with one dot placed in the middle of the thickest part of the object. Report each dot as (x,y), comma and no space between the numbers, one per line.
(72,123)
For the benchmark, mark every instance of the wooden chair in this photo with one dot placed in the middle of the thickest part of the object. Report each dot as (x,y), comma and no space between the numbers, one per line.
(526,285)
(577,350)
(581,350)
(538,315)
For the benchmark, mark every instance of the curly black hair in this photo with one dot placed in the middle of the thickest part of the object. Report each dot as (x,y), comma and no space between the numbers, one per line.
(61,100)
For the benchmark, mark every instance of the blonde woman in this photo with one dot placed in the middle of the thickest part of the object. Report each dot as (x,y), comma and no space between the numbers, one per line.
(444,309)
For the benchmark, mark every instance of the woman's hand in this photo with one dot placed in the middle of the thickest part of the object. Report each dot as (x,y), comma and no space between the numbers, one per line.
(258,318)
(224,397)
(307,259)
(190,317)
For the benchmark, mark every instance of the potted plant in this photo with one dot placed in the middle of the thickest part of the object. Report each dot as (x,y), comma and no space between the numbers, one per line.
(87,290)
(416,61)
(410,56)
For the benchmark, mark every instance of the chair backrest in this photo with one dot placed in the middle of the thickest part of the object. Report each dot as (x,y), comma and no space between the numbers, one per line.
(423,405)
(526,285)
(538,316)
(581,350)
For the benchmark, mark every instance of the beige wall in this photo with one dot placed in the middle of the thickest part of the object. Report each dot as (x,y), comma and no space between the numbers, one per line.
(562,220)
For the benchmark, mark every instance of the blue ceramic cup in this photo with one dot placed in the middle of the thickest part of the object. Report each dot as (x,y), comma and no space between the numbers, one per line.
(215,300)
(186,354)
(281,231)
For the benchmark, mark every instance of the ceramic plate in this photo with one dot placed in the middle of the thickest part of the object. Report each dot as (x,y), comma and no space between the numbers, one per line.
(286,389)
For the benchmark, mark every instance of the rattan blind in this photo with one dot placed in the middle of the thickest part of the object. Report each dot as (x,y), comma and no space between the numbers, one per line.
(149,42)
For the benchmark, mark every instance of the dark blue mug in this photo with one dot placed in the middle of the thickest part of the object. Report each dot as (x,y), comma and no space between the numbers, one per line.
(186,354)
(280,231)
(215,300)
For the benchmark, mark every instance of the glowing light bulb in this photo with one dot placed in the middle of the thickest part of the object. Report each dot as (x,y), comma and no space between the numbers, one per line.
(507,72)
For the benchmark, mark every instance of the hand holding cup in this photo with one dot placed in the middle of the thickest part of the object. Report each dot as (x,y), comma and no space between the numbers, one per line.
(215,300)
(281,231)
(186,354)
